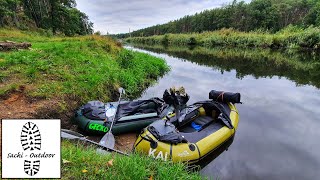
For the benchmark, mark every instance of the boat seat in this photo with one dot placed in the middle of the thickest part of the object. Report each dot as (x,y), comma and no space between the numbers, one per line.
(202,120)
(195,136)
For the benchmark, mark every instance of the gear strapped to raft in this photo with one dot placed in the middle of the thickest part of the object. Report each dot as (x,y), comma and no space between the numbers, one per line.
(96,110)
(187,114)
(178,98)
(169,131)
(222,96)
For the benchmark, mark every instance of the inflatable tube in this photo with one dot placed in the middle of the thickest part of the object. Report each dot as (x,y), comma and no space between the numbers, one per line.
(161,140)
(94,117)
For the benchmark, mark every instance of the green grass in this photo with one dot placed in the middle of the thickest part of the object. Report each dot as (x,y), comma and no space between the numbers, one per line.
(133,167)
(290,37)
(82,68)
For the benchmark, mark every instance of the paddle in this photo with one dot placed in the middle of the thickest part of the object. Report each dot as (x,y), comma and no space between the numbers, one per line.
(108,139)
(68,134)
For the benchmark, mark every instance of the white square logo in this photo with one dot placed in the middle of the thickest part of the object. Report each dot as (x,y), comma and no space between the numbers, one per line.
(31,148)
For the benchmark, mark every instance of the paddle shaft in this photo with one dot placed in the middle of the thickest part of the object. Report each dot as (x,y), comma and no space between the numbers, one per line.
(112,122)
(68,134)
(103,147)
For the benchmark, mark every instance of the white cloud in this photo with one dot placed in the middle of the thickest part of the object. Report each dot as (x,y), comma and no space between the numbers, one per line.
(117,16)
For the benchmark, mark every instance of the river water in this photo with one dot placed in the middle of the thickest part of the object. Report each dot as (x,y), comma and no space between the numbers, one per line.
(278,134)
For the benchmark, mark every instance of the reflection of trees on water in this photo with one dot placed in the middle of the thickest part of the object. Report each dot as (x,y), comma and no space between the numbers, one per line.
(301,67)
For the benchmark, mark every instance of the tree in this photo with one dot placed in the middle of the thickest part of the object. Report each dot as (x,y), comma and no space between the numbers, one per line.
(313,16)
(262,14)
(58,15)
(270,15)
(8,9)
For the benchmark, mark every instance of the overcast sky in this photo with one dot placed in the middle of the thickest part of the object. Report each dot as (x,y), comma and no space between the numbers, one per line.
(117,16)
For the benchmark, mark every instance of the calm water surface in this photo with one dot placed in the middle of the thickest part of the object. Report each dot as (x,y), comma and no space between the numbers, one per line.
(278,135)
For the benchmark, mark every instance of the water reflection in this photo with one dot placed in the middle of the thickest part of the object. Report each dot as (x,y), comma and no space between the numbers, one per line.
(303,68)
(278,128)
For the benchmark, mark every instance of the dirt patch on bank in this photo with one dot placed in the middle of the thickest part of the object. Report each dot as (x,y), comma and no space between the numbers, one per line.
(17,105)
(125,142)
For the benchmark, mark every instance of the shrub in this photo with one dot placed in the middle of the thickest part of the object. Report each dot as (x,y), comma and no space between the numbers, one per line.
(192,41)
(165,39)
(125,59)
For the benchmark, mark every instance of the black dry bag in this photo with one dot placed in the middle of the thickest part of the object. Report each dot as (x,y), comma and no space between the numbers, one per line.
(222,96)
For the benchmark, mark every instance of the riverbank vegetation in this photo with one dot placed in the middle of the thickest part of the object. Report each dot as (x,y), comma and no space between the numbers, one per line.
(83,162)
(260,23)
(290,37)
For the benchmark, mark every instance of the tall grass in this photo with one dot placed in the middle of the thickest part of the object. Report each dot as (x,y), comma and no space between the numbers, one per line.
(290,37)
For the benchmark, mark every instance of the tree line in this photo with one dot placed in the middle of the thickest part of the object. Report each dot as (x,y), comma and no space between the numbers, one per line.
(266,15)
(60,16)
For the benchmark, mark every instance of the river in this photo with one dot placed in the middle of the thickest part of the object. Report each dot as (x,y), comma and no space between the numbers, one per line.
(278,132)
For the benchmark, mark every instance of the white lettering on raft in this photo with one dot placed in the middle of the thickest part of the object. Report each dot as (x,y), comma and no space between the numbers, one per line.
(183,154)
(152,153)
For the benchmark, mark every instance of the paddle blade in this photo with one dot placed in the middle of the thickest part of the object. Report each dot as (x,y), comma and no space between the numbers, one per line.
(107,140)
(121,91)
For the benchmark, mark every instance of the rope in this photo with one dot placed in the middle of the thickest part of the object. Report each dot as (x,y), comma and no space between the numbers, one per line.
(221,94)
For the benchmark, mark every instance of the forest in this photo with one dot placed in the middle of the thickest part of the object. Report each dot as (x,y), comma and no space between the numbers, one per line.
(261,15)
(56,16)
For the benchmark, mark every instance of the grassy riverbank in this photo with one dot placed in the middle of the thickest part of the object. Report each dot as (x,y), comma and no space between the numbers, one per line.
(85,163)
(72,70)
(86,67)
(290,37)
